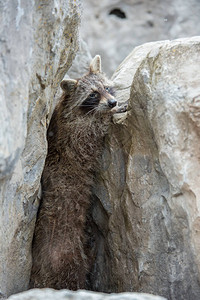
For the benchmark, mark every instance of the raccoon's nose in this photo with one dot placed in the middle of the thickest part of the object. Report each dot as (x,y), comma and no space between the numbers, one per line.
(112,102)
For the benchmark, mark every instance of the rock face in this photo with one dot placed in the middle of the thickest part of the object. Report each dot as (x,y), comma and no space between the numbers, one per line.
(38,43)
(113,28)
(148,215)
(50,294)
(146,209)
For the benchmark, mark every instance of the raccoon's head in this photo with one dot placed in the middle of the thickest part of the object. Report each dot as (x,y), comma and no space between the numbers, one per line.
(92,93)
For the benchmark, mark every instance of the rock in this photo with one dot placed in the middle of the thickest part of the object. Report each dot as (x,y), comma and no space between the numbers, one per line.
(113,28)
(51,294)
(80,65)
(38,43)
(148,212)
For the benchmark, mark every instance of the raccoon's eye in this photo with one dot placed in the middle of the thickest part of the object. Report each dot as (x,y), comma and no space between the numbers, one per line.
(109,90)
(91,101)
(94,95)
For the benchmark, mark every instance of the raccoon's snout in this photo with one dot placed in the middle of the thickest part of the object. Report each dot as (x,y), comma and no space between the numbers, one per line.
(112,103)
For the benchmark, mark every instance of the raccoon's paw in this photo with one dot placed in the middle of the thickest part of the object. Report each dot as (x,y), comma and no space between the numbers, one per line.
(123,108)
(120,109)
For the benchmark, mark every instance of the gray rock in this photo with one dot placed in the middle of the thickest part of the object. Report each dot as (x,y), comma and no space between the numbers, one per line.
(149,183)
(38,43)
(80,65)
(51,294)
(113,28)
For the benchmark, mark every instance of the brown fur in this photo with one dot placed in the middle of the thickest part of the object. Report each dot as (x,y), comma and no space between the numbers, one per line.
(75,140)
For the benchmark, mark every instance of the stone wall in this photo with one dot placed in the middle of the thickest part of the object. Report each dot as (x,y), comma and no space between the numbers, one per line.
(113,28)
(38,43)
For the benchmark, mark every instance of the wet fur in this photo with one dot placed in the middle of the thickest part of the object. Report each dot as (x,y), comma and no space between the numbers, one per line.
(75,140)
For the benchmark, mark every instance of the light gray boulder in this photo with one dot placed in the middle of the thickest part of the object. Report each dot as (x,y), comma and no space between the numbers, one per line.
(148,217)
(38,42)
(51,294)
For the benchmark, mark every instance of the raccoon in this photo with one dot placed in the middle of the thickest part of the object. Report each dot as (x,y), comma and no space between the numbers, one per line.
(75,141)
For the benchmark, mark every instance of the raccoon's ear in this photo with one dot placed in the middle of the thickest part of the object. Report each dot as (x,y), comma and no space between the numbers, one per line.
(68,85)
(95,65)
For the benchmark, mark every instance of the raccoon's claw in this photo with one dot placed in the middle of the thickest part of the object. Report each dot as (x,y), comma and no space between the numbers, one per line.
(121,109)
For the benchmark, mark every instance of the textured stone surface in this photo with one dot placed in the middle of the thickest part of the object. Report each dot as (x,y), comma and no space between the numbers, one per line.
(148,215)
(80,65)
(50,294)
(114,37)
(38,43)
